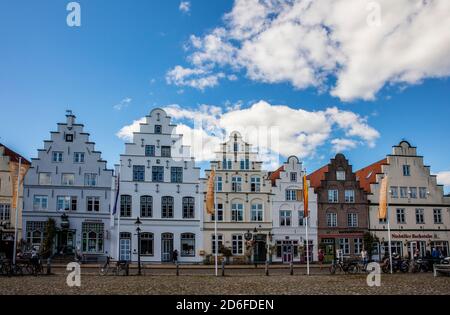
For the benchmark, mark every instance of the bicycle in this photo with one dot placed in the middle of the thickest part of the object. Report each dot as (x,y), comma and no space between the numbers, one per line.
(121,268)
(344,267)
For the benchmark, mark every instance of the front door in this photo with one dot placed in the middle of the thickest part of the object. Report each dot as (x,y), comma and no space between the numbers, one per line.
(166,247)
(65,242)
(125,249)
(287,254)
(260,253)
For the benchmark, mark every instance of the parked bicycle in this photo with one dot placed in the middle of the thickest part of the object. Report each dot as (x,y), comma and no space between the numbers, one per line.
(120,268)
(342,266)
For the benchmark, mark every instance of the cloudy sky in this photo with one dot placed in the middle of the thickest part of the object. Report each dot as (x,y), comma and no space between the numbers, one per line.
(305,78)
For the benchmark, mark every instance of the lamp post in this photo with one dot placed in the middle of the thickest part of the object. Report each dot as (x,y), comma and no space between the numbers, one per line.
(138,230)
(255,231)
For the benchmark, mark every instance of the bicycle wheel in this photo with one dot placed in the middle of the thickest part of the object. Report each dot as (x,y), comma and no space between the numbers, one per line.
(353,269)
(332,269)
(104,270)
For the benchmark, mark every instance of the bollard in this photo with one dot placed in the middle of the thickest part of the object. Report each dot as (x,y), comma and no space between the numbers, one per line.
(178,269)
(49,266)
(223,268)
(267,268)
(291,266)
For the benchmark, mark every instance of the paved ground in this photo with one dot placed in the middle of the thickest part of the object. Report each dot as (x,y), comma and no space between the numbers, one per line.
(239,282)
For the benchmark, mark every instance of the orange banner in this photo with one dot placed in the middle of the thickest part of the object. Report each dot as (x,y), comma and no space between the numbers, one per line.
(13,170)
(382,214)
(210,193)
(305,197)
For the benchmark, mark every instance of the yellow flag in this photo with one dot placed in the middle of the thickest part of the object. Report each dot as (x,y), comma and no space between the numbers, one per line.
(210,193)
(305,197)
(382,214)
(13,170)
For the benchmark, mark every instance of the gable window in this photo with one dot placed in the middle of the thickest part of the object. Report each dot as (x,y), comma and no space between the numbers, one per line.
(78,157)
(401,216)
(67,179)
(422,192)
(57,157)
(219,183)
(158,173)
(237,212)
(291,195)
(331,219)
(333,195)
(40,202)
(242,164)
(236,147)
(149,150)
(293,177)
(236,184)
(301,218)
(125,206)
(257,212)
(176,174)
(45,179)
(188,208)
(420,216)
(188,245)
(90,179)
(437,215)
(255,184)
(403,192)
(158,129)
(352,220)
(69,137)
(147,244)
(285,218)
(93,204)
(138,173)
(66,203)
(166,151)
(406,170)
(349,196)
(146,206)
(413,192)
(394,191)
(219,213)
(167,207)
(340,175)
(237,244)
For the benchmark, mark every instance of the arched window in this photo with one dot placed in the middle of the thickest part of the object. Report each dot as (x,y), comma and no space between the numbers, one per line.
(188,208)
(125,206)
(256,184)
(147,242)
(187,245)
(146,206)
(167,207)
(237,211)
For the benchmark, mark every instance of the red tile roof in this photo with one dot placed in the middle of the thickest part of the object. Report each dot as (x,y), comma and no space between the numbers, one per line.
(276,175)
(316,177)
(13,155)
(367,175)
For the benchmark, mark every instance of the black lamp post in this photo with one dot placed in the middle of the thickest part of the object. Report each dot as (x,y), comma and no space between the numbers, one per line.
(138,230)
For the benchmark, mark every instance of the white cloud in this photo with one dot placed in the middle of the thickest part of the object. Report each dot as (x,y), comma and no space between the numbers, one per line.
(126,132)
(196,78)
(185,6)
(305,42)
(443,178)
(274,130)
(123,104)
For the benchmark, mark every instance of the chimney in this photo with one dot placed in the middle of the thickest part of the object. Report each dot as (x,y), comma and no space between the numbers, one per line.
(70,118)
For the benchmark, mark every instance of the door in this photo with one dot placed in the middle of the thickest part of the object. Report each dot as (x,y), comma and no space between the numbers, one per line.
(166,247)
(125,249)
(287,254)
(65,242)
(260,254)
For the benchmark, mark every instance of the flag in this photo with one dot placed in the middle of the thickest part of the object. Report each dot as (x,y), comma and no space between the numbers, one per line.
(210,193)
(305,197)
(14,170)
(382,214)
(117,195)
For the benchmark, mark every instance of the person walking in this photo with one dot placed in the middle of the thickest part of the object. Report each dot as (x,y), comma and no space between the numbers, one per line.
(364,258)
(175,256)
(321,257)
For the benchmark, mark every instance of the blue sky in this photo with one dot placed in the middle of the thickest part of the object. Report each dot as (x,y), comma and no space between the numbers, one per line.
(125,49)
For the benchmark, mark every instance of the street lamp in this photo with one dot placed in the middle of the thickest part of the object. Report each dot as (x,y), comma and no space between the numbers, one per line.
(138,230)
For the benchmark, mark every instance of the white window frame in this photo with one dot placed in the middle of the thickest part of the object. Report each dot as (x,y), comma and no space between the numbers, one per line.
(333,196)
(349,196)
(38,203)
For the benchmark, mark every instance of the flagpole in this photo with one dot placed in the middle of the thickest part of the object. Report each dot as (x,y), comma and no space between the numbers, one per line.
(17,213)
(215,226)
(389,235)
(307,246)
(306,215)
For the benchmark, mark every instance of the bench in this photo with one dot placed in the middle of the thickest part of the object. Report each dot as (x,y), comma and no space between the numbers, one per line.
(441,270)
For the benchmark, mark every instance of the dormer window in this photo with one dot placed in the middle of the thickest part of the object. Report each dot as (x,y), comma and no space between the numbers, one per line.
(340,175)
(158,129)
(69,137)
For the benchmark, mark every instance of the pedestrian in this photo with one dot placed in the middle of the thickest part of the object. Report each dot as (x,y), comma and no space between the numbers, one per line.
(175,256)
(434,253)
(364,257)
(416,253)
(321,257)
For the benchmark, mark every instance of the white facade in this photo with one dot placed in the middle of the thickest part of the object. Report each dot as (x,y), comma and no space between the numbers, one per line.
(289,226)
(159,183)
(69,178)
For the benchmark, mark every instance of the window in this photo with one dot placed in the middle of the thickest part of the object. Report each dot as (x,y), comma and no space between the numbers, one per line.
(235,147)
(158,173)
(147,244)
(406,170)
(219,183)
(420,216)
(285,218)
(78,157)
(349,196)
(257,212)
(66,203)
(227,164)
(93,237)
(188,208)
(149,150)
(413,192)
(358,242)
(242,164)
(90,179)
(394,191)
(69,138)
(237,212)
(158,129)
(236,184)
(332,219)
(247,164)
(301,218)
(291,195)
(352,220)
(340,175)
(125,206)
(57,157)
(333,196)
(45,179)
(255,184)
(146,206)
(293,177)
(176,174)
(93,204)
(138,173)
(166,151)
(67,179)
(35,232)
(40,202)
(187,245)
(403,192)
(219,213)
(237,244)
(5,212)
(401,216)
(437,214)
(422,192)
(219,242)
(344,245)
(167,207)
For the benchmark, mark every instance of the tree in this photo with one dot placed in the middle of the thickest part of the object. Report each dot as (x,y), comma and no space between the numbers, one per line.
(369,240)
(50,233)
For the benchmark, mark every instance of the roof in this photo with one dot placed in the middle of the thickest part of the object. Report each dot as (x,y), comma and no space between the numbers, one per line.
(276,175)
(316,177)
(14,157)
(367,175)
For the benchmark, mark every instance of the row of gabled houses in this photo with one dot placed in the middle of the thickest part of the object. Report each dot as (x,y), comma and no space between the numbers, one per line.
(259,214)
